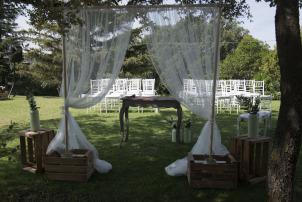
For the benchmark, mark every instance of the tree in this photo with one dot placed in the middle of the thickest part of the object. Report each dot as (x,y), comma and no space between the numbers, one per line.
(245,61)
(231,35)
(9,42)
(269,72)
(287,137)
(44,71)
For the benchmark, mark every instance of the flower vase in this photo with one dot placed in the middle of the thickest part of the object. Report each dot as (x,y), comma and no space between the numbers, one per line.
(173,134)
(187,135)
(34,120)
(253,125)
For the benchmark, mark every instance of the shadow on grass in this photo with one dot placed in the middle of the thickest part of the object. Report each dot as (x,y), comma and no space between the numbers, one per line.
(138,166)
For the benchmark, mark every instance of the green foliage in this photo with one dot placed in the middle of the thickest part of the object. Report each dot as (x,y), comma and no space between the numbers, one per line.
(7,135)
(187,123)
(252,59)
(245,61)
(269,72)
(44,67)
(251,105)
(231,35)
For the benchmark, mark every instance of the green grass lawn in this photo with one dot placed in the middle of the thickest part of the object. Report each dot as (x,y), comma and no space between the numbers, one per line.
(138,166)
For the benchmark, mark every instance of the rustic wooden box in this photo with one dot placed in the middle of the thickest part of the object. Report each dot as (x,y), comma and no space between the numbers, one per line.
(223,175)
(33,146)
(78,167)
(252,154)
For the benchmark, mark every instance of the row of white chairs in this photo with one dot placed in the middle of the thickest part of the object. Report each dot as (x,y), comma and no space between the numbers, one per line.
(124,87)
(225,87)
(121,87)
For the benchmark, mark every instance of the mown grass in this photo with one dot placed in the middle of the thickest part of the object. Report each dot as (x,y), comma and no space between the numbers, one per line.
(138,166)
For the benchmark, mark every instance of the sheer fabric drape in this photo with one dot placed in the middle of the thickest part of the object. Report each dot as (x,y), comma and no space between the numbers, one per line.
(181,42)
(182,47)
(95,49)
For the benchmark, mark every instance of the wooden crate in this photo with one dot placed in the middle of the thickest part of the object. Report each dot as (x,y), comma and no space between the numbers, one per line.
(33,146)
(78,167)
(223,175)
(252,154)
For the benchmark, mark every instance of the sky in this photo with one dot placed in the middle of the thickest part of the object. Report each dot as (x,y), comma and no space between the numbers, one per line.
(261,25)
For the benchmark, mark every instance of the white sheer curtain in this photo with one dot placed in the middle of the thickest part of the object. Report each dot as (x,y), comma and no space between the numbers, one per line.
(95,49)
(182,48)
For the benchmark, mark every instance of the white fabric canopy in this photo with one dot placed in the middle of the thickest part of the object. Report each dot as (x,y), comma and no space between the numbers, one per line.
(182,47)
(181,42)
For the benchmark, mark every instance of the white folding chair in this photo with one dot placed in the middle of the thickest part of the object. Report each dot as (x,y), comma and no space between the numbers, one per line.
(259,87)
(134,87)
(250,86)
(148,86)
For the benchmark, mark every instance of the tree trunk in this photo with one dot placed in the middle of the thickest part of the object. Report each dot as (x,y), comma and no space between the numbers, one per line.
(287,138)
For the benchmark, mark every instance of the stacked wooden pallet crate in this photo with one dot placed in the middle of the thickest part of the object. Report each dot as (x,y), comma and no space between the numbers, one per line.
(252,154)
(33,145)
(76,167)
(222,174)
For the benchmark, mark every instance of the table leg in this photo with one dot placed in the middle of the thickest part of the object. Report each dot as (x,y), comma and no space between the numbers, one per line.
(179,120)
(122,131)
(127,123)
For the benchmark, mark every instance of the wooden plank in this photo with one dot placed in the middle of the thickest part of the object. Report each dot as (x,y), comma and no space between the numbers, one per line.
(266,149)
(253,160)
(30,149)
(258,159)
(257,180)
(67,168)
(67,177)
(213,184)
(23,149)
(212,175)
(65,161)
(38,151)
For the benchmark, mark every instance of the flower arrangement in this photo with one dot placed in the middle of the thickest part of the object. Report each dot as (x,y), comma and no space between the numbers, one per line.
(187,123)
(250,104)
(34,113)
(32,102)
(172,122)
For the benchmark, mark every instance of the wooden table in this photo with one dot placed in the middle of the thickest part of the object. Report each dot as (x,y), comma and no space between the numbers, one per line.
(155,101)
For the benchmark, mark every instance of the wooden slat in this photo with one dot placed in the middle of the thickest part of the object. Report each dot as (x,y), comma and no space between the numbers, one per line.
(30,149)
(67,177)
(202,175)
(258,159)
(252,154)
(38,151)
(66,168)
(23,149)
(65,161)
(266,149)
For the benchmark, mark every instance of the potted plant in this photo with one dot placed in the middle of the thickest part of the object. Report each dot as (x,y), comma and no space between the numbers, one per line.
(173,123)
(252,106)
(187,134)
(34,113)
